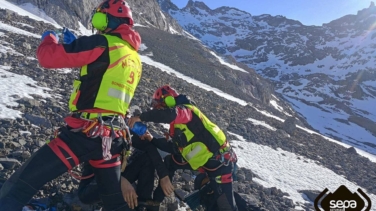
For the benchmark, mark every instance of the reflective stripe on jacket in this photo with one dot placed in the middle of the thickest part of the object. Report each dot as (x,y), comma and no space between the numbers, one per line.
(109,87)
(200,148)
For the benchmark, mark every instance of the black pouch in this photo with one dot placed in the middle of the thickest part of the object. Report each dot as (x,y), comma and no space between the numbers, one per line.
(179,138)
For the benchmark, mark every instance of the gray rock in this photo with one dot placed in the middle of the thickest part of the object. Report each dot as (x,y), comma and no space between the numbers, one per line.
(9,163)
(26,45)
(351,150)
(39,143)
(21,154)
(180,193)
(241,177)
(186,177)
(29,102)
(38,120)
(173,206)
(289,125)
(311,194)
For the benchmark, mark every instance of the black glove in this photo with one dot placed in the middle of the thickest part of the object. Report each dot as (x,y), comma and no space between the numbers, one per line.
(179,138)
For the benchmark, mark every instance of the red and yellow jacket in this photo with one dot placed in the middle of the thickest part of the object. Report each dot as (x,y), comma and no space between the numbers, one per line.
(110,68)
(200,138)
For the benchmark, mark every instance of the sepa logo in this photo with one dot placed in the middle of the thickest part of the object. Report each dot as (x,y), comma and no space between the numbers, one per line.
(342,200)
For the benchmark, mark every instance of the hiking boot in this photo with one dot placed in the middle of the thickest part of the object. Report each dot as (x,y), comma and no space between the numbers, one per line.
(148,205)
(141,208)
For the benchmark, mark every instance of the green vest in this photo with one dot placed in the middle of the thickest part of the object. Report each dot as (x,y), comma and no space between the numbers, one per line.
(196,153)
(113,87)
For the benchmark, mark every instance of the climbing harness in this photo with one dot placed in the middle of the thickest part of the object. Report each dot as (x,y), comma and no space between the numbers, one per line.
(107,128)
(225,155)
(177,162)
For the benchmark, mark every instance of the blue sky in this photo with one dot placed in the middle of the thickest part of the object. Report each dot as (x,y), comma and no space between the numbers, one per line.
(308,12)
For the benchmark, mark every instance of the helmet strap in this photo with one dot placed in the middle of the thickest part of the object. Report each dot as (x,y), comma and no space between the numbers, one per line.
(114,23)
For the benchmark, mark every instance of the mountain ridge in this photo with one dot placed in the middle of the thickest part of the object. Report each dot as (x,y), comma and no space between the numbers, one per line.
(328,69)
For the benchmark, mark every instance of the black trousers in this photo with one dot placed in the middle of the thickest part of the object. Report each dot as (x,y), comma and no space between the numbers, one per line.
(44,166)
(140,170)
(223,194)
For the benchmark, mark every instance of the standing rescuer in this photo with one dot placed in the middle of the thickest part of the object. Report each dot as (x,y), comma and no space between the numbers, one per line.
(196,144)
(94,133)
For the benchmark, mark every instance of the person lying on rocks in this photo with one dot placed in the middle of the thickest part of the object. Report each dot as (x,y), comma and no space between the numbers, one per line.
(141,166)
(110,72)
(194,142)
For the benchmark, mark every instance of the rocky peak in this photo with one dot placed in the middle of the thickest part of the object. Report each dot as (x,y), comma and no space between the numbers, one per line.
(232,10)
(367,12)
(149,13)
(201,5)
(193,7)
(190,3)
(69,12)
(65,12)
(167,5)
(362,21)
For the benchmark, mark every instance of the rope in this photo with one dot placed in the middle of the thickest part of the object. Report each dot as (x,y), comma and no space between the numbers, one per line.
(90,126)
(181,164)
(78,177)
(213,169)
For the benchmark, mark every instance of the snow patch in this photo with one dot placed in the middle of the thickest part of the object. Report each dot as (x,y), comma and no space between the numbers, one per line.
(15,87)
(23,11)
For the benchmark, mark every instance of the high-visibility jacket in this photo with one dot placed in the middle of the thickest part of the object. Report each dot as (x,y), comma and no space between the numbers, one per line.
(110,89)
(110,68)
(200,149)
(200,138)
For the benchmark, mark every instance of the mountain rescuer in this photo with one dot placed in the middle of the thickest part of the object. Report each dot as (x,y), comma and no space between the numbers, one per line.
(196,144)
(95,131)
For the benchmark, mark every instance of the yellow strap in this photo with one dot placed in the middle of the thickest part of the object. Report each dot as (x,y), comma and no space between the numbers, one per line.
(126,154)
(90,126)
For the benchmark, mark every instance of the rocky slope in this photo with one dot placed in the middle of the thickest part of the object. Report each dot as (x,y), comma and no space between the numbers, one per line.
(42,116)
(326,70)
(70,12)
